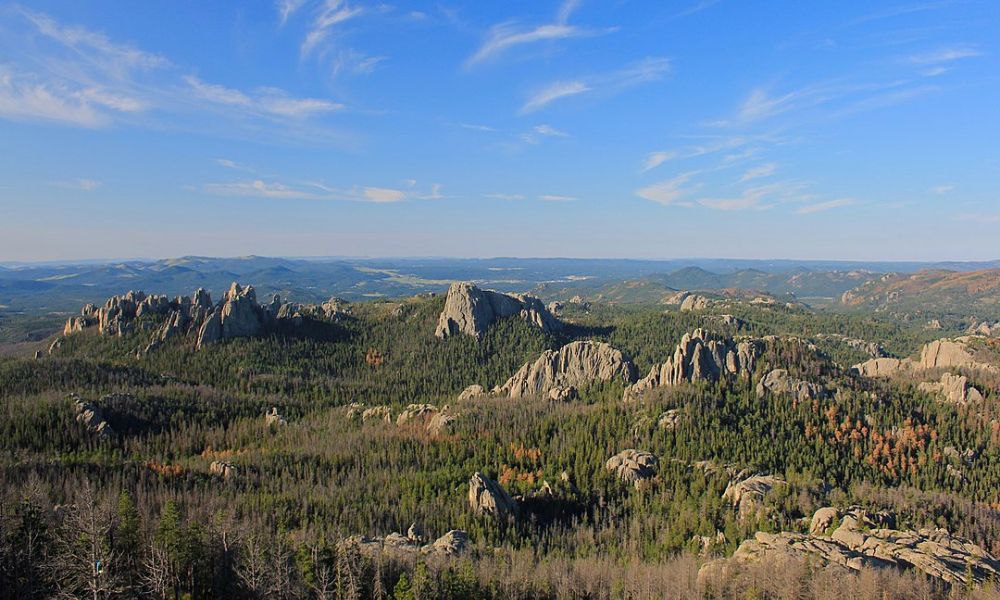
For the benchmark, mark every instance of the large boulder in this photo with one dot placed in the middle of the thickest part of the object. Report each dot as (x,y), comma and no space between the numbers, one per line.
(746,494)
(473,391)
(469,310)
(701,356)
(487,497)
(632,466)
(91,416)
(576,364)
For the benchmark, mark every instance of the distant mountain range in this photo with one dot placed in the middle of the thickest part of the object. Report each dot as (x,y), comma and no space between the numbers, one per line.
(48,287)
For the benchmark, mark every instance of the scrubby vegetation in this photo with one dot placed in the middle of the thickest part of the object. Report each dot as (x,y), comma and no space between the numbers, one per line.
(139,513)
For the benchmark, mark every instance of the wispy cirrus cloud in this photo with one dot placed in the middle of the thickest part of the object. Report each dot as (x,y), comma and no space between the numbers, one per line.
(757,172)
(270,101)
(538,132)
(825,206)
(556,198)
(262,188)
(713,145)
(77,77)
(671,191)
(507,36)
(942,189)
(326,17)
(643,71)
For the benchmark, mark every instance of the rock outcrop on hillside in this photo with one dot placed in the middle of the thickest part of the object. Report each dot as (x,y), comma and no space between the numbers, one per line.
(701,356)
(632,466)
(473,391)
(413,543)
(779,382)
(487,497)
(695,302)
(469,310)
(746,494)
(416,411)
(574,365)
(939,354)
(237,315)
(91,415)
(954,389)
(866,540)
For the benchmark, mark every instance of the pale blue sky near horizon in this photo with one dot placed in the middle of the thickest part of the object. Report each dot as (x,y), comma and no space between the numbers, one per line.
(621,128)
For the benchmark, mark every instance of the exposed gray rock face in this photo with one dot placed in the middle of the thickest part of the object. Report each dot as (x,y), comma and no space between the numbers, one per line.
(336,309)
(454,543)
(985,328)
(865,540)
(487,497)
(77,324)
(237,315)
(954,389)
(416,411)
(669,419)
(695,302)
(823,519)
(354,410)
(274,419)
(210,331)
(676,299)
(575,364)
(779,382)
(92,416)
(224,469)
(377,413)
(563,394)
(469,310)
(632,466)
(939,354)
(473,391)
(747,494)
(701,356)
(442,422)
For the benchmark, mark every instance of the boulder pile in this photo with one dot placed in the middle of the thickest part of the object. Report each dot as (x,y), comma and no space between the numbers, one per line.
(868,540)
(632,466)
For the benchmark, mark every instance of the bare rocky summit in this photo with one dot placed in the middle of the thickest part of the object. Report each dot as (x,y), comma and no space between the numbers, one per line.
(701,356)
(574,365)
(469,310)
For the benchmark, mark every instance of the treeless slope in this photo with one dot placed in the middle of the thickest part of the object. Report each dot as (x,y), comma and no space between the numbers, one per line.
(929,289)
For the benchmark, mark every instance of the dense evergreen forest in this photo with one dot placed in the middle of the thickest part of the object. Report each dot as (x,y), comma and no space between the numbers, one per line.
(143,512)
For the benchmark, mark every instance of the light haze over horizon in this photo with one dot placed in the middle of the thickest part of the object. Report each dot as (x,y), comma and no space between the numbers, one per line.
(581,128)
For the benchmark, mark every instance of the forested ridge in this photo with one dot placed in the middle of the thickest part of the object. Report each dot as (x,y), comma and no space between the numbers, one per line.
(139,513)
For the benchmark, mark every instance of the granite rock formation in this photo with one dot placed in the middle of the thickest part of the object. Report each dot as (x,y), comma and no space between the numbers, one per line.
(576,364)
(469,310)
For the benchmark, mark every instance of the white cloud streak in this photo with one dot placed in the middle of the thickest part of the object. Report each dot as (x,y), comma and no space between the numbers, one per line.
(824,206)
(643,71)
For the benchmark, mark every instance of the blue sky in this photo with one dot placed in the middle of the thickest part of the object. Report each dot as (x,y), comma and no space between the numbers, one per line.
(694,128)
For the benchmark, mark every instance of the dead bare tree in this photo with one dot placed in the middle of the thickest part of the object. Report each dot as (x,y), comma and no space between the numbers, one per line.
(85,563)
